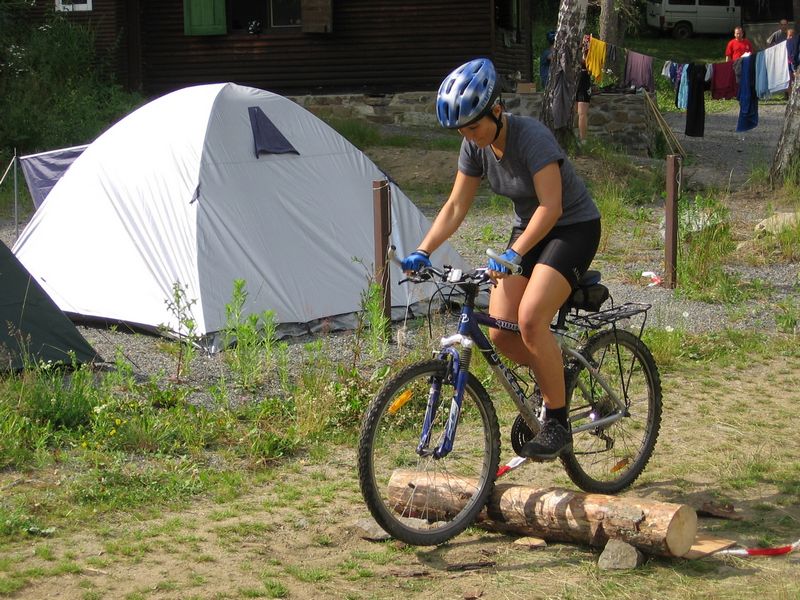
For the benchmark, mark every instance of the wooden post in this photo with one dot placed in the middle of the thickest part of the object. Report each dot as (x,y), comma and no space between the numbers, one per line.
(662,528)
(383,228)
(671,222)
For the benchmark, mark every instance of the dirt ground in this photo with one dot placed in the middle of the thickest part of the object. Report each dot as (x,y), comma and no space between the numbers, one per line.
(299,533)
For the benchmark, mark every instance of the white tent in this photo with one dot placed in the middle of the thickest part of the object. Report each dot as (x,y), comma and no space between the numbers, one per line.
(207,185)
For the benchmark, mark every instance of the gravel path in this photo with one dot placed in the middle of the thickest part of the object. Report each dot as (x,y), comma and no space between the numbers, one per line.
(720,159)
(723,158)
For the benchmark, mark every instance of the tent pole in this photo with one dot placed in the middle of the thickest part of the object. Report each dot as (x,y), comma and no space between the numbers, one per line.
(380,203)
(16,199)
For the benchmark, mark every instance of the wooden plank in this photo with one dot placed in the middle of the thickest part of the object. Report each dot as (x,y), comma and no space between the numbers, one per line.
(706,544)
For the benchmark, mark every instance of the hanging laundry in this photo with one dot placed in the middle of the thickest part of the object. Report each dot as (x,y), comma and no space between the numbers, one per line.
(596,59)
(666,69)
(709,72)
(615,63)
(564,96)
(696,106)
(762,82)
(639,71)
(775,62)
(673,73)
(748,101)
(723,82)
(792,48)
(682,95)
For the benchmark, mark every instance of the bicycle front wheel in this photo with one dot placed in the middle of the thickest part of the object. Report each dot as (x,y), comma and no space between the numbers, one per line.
(415,497)
(608,458)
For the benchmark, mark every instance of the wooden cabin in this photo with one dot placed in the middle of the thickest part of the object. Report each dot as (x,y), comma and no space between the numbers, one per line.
(303,46)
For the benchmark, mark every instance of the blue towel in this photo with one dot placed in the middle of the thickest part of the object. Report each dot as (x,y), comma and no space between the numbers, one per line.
(762,79)
(748,102)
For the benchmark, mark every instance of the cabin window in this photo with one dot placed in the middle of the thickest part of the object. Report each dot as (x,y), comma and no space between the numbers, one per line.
(248,15)
(256,16)
(76,5)
(285,13)
(507,14)
(215,17)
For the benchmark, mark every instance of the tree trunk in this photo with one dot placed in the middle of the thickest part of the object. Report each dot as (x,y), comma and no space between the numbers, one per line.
(786,161)
(611,26)
(656,527)
(558,104)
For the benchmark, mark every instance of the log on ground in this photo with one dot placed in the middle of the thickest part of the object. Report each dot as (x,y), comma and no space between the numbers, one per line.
(655,527)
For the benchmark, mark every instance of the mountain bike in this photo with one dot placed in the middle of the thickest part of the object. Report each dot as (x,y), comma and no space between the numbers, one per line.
(429,446)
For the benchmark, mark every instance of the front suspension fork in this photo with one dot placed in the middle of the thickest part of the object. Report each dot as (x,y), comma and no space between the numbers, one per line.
(459,371)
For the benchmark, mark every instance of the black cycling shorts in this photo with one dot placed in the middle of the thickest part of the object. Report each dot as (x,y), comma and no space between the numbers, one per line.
(568,249)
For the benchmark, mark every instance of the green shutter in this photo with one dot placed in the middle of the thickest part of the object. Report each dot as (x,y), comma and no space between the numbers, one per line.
(204,17)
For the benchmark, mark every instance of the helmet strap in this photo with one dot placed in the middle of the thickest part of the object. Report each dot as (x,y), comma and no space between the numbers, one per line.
(498,121)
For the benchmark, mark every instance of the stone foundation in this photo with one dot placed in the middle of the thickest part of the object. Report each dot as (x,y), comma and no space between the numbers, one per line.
(621,120)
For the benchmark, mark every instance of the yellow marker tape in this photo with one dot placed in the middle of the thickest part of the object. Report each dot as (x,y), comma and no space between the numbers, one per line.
(400,402)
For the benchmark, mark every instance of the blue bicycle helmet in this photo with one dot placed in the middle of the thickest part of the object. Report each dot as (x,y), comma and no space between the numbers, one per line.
(467,94)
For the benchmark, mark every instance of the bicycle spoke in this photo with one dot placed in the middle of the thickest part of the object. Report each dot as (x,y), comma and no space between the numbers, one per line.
(421,499)
(608,458)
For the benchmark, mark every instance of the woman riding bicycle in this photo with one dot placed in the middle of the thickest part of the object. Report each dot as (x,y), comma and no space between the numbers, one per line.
(554,238)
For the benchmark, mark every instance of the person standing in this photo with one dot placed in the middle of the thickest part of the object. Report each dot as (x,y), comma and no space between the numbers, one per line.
(780,35)
(546,58)
(738,46)
(554,238)
(582,99)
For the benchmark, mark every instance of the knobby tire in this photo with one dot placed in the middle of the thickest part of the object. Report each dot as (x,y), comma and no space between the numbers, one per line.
(608,459)
(390,434)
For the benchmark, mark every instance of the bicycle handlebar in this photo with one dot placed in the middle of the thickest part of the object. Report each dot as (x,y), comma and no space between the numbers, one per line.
(445,273)
(448,274)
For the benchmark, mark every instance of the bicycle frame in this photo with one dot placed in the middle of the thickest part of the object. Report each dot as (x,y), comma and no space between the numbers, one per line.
(470,334)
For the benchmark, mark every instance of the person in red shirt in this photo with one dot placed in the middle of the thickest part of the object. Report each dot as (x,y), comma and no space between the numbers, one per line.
(738,46)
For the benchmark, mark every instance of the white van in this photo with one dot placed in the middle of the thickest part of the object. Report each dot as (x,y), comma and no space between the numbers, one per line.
(687,17)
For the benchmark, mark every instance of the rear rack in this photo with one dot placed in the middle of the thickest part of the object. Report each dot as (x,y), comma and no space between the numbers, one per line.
(596,320)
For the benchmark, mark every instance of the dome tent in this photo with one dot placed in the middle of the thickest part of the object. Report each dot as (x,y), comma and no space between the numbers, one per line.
(32,328)
(211,184)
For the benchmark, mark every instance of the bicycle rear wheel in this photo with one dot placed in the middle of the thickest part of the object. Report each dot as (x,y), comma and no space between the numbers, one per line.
(608,458)
(447,493)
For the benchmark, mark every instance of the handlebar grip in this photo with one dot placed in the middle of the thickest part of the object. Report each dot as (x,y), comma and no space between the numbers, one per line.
(391,254)
(513,269)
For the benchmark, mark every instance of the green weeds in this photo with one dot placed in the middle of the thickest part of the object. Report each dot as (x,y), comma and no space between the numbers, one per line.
(250,339)
(180,307)
(704,245)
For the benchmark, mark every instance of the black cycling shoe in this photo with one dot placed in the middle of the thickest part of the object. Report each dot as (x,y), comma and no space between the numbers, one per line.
(552,441)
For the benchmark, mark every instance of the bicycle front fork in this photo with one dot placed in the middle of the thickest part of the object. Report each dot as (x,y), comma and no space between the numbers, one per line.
(458,372)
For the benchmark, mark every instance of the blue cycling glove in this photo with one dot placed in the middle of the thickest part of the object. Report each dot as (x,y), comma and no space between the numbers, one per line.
(415,261)
(509,256)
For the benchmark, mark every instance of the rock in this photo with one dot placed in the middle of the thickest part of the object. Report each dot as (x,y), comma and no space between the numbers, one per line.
(777,223)
(369,530)
(619,555)
(531,542)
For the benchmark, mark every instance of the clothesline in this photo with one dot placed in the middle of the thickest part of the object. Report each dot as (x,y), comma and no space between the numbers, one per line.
(599,53)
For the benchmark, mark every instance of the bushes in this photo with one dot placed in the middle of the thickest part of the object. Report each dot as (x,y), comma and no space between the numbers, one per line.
(55,90)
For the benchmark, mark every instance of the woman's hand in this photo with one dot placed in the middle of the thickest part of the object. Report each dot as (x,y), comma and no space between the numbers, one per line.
(415,261)
(496,270)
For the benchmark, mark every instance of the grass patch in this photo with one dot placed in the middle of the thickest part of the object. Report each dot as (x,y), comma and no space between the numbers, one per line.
(363,134)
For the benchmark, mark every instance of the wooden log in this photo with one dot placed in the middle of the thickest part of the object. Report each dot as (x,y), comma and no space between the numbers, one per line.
(662,528)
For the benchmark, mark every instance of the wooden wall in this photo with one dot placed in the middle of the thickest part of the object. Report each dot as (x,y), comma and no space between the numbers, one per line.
(375,46)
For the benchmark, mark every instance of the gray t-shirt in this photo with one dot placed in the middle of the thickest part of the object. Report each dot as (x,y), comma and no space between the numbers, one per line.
(530,146)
